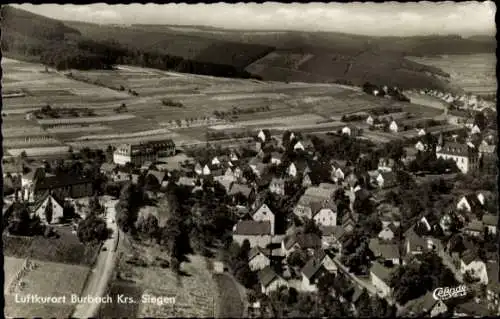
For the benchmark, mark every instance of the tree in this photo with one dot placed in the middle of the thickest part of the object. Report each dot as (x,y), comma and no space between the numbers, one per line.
(49,211)
(311,227)
(364,306)
(298,258)
(244,250)
(93,229)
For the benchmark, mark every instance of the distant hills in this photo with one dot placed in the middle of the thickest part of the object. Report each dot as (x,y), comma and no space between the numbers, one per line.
(266,55)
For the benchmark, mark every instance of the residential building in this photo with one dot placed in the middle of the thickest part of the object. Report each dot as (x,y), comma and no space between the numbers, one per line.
(108,169)
(258,258)
(349,221)
(467,159)
(386,180)
(324,216)
(474,228)
(292,170)
(472,264)
(369,120)
(264,213)
(314,269)
(386,164)
(470,203)
(258,233)
(306,181)
(277,186)
(270,281)
(332,237)
(62,186)
(276,158)
(56,209)
(300,241)
(137,154)
(491,223)
(388,233)
(427,306)
(385,252)
(420,146)
(314,196)
(393,127)
(380,276)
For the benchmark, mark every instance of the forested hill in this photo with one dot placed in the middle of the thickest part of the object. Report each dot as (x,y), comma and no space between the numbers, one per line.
(276,56)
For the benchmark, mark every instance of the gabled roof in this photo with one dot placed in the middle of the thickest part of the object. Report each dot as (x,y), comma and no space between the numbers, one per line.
(252,228)
(60,180)
(387,251)
(240,189)
(490,220)
(44,197)
(336,231)
(267,276)
(303,240)
(475,225)
(257,250)
(415,240)
(383,273)
(469,256)
(313,266)
(456,149)
(160,176)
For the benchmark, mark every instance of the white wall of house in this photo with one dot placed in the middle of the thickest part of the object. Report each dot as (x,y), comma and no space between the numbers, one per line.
(277,188)
(57,210)
(491,229)
(326,217)
(381,286)
(463,163)
(302,211)
(463,204)
(259,262)
(329,265)
(260,240)
(264,214)
(386,234)
(306,285)
(274,285)
(438,309)
(292,170)
(477,269)
(121,159)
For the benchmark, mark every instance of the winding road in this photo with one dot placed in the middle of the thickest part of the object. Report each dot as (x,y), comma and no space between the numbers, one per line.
(100,276)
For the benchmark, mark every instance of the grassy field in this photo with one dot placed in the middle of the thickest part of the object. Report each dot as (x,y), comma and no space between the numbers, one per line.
(65,249)
(46,279)
(194,292)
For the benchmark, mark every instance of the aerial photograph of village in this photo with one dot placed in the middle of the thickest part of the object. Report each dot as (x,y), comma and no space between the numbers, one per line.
(249,160)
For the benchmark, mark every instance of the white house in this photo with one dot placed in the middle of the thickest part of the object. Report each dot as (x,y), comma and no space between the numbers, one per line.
(258,259)
(292,170)
(270,281)
(490,222)
(198,169)
(470,202)
(49,203)
(421,132)
(388,232)
(206,170)
(298,146)
(233,157)
(346,130)
(315,268)
(215,161)
(369,120)
(264,213)
(475,130)
(420,146)
(472,264)
(465,158)
(393,127)
(325,217)
(277,186)
(262,136)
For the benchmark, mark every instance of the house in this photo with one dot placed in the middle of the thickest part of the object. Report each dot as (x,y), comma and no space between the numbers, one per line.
(386,180)
(306,181)
(215,161)
(317,195)
(380,276)
(491,223)
(276,158)
(349,221)
(346,130)
(421,132)
(206,170)
(186,181)
(63,186)
(270,281)
(386,164)
(264,213)
(332,237)
(324,215)
(472,264)
(49,209)
(466,158)
(233,156)
(262,136)
(475,130)
(337,174)
(158,176)
(139,153)
(472,309)
(258,258)
(258,233)
(385,252)
(415,244)
(369,120)
(314,269)
(474,228)
(470,203)
(426,306)
(420,146)
(198,169)
(292,170)
(241,191)
(107,169)
(277,186)
(351,180)
(299,146)
(300,241)
(393,127)
(388,232)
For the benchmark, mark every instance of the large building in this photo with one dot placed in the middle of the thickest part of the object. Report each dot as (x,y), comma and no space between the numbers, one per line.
(466,158)
(137,154)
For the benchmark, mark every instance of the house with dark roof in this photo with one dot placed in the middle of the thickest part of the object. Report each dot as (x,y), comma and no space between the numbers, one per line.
(332,237)
(474,228)
(349,221)
(300,241)
(315,196)
(241,193)
(470,203)
(426,306)
(258,258)
(491,223)
(264,213)
(380,276)
(63,186)
(314,269)
(472,264)
(415,244)
(385,252)
(270,281)
(258,233)
(49,209)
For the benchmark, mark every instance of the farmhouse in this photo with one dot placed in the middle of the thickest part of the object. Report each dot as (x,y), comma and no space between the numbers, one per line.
(380,276)
(270,281)
(137,154)
(467,159)
(393,127)
(263,213)
(49,209)
(258,258)
(258,233)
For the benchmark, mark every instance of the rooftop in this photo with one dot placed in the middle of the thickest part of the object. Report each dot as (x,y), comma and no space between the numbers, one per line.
(253,228)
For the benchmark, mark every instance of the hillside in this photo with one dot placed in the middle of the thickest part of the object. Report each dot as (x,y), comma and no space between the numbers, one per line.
(266,55)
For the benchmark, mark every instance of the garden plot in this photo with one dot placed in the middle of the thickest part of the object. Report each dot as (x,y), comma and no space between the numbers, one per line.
(286,120)
(125,135)
(133,125)
(38,151)
(82,120)
(78,128)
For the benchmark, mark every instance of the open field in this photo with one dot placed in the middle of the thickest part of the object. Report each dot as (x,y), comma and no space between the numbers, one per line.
(65,249)
(44,279)
(194,292)
(248,104)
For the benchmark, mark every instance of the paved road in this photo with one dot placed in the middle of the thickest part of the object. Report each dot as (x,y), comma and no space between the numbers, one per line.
(100,275)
